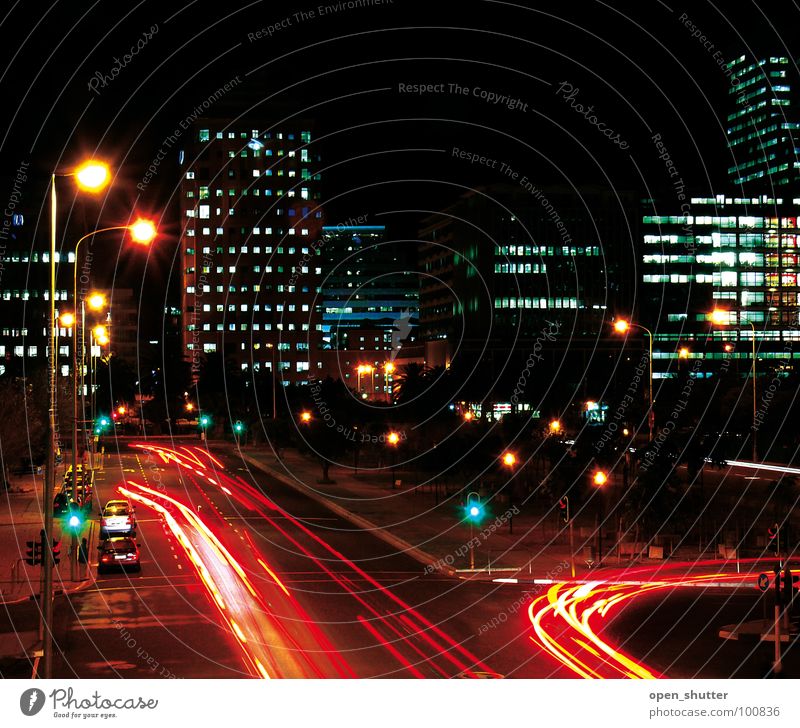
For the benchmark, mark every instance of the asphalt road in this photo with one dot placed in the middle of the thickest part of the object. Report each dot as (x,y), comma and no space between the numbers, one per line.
(243,576)
(330,600)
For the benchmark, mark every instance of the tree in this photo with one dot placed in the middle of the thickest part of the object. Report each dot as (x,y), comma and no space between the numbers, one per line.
(24,434)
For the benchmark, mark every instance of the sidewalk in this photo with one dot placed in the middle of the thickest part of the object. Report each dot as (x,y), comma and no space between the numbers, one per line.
(430,525)
(21,521)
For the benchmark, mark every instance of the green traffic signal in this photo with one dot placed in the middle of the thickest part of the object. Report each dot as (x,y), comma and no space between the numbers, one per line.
(238,427)
(74,521)
(205,421)
(474,511)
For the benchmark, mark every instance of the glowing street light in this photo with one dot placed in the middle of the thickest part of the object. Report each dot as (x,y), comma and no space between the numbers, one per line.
(67,320)
(96,301)
(305,416)
(719,316)
(599,478)
(469,416)
(121,410)
(621,326)
(555,426)
(100,333)
(142,231)
(683,353)
(189,407)
(509,459)
(393,438)
(92,176)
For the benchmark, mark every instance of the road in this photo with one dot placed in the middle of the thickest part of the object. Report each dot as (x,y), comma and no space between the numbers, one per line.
(242,576)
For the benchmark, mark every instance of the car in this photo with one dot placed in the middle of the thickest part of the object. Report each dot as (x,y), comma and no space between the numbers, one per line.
(61,504)
(118,552)
(117,517)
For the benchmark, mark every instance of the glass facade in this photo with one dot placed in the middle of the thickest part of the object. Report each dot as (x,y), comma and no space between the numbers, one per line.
(763,125)
(736,256)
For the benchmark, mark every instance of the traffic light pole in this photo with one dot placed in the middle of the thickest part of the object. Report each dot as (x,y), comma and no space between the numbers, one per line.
(46,596)
(777,666)
(571,549)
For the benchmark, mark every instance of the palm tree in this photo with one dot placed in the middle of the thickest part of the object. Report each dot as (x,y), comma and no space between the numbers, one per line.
(410,383)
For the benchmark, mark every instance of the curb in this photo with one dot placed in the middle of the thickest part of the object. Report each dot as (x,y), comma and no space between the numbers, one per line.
(396,542)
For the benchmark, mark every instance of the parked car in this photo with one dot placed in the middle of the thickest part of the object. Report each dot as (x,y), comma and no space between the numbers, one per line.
(118,552)
(117,518)
(61,504)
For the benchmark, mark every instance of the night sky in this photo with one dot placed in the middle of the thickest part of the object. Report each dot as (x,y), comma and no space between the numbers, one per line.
(69,90)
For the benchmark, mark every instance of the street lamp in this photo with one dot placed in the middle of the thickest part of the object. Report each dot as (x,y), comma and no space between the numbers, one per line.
(142,232)
(393,439)
(91,176)
(721,317)
(599,478)
(683,353)
(305,416)
(469,416)
(388,370)
(621,326)
(365,369)
(555,426)
(509,459)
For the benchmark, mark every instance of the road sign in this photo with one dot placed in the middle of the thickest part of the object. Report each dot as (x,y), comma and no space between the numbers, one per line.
(763,582)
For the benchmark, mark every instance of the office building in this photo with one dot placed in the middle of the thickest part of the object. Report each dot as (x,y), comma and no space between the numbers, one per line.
(251,272)
(738,256)
(764,123)
(368,283)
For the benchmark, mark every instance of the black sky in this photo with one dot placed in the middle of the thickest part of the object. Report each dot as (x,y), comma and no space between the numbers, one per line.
(636,63)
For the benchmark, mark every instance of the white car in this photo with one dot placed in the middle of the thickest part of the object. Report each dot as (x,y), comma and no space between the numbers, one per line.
(117,517)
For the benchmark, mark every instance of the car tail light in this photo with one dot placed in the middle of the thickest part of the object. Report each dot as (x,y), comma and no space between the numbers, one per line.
(105,557)
(103,522)
(127,520)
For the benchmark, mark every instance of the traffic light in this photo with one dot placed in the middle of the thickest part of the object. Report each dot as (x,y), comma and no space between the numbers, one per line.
(474,510)
(205,421)
(101,424)
(33,554)
(774,535)
(563,508)
(56,551)
(74,521)
(238,427)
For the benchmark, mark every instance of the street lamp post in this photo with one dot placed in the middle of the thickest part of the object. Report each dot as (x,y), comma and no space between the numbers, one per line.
(388,370)
(142,232)
(600,478)
(393,439)
(621,326)
(720,317)
(274,389)
(92,177)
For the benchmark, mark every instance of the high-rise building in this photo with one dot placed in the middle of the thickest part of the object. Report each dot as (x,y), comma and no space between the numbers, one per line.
(737,256)
(764,122)
(250,247)
(504,262)
(368,283)
(24,300)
